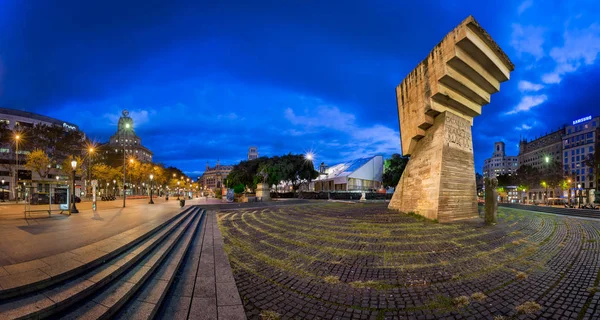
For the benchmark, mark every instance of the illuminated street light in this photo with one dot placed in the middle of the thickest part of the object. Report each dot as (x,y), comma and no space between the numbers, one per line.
(151,178)
(17,139)
(74,166)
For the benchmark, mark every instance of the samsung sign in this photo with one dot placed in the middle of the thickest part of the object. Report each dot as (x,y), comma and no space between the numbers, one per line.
(582,120)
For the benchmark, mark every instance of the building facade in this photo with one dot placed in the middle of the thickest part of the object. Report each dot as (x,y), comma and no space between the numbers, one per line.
(538,154)
(214,177)
(362,174)
(500,163)
(125,140)
(252,153)
(12,163)
(579,143)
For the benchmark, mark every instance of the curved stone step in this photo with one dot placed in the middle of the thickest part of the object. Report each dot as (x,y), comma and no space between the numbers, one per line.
(58,297)
(105,303)
(145,304)
(30,276)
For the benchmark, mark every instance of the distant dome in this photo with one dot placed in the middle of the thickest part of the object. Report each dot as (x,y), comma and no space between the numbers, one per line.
(125,113)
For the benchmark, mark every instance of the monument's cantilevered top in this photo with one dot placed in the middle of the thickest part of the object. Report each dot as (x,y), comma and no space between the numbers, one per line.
(459,74)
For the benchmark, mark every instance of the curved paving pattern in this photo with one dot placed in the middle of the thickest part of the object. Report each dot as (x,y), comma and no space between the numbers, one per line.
(363,261)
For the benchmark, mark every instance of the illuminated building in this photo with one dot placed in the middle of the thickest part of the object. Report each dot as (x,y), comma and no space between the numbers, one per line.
(581,141)
(252,153)
(214,177)
(499,163)
(126,139)
(357,175)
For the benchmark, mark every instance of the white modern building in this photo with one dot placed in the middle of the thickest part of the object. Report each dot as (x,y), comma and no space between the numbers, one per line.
(362,174)
(252,153)
(500,163)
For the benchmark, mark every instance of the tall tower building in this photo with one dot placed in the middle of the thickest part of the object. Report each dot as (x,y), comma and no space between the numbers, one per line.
(126,139)
(252,153)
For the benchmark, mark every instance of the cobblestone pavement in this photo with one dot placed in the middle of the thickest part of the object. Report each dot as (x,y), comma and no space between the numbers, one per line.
(356,261)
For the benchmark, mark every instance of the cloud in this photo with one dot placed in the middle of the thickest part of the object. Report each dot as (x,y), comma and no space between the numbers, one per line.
(525,86)
(524,6)
(523,127)
(528,40)
(581,47)
(528,102)
(361,140)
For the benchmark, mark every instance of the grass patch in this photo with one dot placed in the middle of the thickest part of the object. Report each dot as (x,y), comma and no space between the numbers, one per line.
(331,279)
(461,301)
(521,275)
(478,296)
(529,307)
(269,315)
(371,284)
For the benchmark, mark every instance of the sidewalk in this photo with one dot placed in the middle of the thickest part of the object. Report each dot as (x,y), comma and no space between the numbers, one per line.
(28,239)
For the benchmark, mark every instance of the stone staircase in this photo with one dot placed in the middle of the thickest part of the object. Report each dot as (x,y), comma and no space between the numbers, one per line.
(584,213)
(126,276)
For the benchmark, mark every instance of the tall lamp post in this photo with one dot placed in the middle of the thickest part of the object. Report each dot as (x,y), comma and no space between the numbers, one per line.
(151,178)
(17,137)
(569,193)
(580,195)
(177,190)
(2,189)
(89,173)
(74,166)
(124,166)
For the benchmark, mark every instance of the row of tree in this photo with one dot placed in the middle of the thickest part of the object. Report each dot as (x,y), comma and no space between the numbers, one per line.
(291,168)
(50,149)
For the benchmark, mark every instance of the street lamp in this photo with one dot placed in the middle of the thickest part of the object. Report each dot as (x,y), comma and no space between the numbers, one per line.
(177,190)
(580,195)
(569,193)
(545,185)
(74,166)
(89,172)
(17,138)
(2,189)
(151,178)
(127,125)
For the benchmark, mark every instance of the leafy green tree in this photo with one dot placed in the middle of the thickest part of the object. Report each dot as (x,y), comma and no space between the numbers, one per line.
(39,162)
(393,169)
(527,177)
(505,180)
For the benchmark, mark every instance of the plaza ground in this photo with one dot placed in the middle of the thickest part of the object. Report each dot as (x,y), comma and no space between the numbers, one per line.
(28,239)
(363,261)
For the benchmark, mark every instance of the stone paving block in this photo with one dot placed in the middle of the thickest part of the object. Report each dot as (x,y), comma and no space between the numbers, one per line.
(101,273)
(206,270)
(139,310)
(23,278)
(89,256)
(68,289)
(136,274)
(25,266)
(227,294)
(154,294)
(205,287)
(203,309)
(57,258)
(184,286)
(61,267)
(232,312)
(124,259)
(112,294)
(176,308)
(224,274)
(21,307)
(84,249)
(91,310)
(3,272)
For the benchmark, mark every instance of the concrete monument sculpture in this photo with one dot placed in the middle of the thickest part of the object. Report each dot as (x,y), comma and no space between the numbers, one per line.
(436,105)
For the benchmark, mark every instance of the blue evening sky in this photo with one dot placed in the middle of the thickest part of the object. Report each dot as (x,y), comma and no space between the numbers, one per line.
(205,80)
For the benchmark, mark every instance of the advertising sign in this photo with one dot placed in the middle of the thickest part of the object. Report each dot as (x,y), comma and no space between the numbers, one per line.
(230,195)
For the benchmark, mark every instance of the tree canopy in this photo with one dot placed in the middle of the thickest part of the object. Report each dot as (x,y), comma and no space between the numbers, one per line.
(393,169)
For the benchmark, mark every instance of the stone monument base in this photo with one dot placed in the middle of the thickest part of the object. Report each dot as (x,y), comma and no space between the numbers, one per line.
(439,179)
(263,192)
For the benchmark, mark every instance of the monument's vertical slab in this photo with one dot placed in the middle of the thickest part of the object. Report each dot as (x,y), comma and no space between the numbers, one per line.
(436,105)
